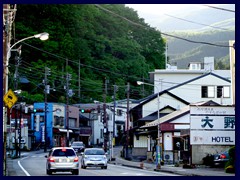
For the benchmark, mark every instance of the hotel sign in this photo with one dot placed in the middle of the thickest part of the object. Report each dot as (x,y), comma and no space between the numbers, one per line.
(212,125)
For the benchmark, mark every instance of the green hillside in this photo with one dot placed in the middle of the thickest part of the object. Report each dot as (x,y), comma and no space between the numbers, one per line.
(181,52)
(90,42)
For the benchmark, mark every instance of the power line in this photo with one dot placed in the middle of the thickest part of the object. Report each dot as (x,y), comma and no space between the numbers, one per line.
(196,22)
(220,8)
(87,66)
(137,24)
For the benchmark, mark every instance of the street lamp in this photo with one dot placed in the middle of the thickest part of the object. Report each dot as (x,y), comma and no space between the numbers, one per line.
(42,36)
(158,165)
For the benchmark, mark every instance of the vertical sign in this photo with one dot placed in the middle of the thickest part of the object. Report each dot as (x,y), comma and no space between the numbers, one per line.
(232,67)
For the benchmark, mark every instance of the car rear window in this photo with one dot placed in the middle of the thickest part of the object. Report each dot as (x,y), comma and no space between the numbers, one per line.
(95,152)
(66,152)
(77,144)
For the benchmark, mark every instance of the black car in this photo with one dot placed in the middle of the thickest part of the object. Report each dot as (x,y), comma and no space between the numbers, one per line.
(221,158)
(78,146)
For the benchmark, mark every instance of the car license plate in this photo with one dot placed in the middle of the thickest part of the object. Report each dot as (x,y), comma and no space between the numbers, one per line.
(63,160)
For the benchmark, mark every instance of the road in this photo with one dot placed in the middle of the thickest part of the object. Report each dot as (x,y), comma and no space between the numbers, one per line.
(33,164)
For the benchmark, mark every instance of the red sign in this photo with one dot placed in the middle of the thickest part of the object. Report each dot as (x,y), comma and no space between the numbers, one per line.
(167,127)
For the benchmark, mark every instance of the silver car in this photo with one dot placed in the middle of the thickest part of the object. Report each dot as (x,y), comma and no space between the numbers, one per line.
(62,159)
(78,146)
(94,157)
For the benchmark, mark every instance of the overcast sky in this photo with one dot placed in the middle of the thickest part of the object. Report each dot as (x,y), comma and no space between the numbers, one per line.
(155,14)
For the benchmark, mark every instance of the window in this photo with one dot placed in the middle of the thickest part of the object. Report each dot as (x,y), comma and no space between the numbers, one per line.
(207,91)
(72,122)
(119,112)
(58,121)
(101,133)
(223,91)
(41,119)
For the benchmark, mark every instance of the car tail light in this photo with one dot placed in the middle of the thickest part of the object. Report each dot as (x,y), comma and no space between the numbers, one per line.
(223,156)
(51,159)
(75,159)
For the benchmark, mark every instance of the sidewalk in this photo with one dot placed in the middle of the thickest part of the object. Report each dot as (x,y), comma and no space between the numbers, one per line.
(198,171)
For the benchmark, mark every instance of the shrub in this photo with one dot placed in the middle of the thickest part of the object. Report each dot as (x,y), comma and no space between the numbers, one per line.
(230,165)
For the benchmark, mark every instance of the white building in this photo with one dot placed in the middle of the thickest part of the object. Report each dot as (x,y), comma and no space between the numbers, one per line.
(199,89)
(165,79)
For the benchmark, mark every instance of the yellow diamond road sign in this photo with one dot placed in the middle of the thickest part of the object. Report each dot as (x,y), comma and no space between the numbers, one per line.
(9,98)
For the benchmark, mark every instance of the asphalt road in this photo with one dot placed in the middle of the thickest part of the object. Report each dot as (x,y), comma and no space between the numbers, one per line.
(34,163)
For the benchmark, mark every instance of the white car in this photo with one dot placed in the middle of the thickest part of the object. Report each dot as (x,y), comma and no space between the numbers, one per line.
(94,157)
(62,159)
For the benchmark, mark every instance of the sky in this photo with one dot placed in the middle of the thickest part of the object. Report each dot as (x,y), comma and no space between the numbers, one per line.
(159,9)
(154,14)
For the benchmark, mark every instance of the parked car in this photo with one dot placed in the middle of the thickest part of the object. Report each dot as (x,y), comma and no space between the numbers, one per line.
(94,157)
(78,146)
(62,159)
(221,158)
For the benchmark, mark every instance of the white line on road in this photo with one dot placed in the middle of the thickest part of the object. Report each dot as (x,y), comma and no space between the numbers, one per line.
(23,168)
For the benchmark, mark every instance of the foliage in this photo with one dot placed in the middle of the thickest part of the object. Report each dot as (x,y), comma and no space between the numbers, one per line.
(230,165)
(182,52)
(90,44)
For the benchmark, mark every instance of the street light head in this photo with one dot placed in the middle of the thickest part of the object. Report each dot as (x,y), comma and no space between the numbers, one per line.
(140,82)
(43,36)
(19,91)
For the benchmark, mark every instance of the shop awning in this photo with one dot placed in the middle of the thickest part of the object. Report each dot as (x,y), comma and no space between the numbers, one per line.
(65,130)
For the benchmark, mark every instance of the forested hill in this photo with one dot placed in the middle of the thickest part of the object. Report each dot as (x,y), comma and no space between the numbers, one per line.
(90,42)
(182,52)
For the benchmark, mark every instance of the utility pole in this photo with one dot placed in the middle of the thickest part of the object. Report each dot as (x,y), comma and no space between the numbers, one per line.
(46,91)
(114,115)
(127,124)
(69,93)
(20,131)
(16,129)
(105,125)
(79,79)
(68,77)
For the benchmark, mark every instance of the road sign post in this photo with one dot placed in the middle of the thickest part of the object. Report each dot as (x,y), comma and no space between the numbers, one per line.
(10,98)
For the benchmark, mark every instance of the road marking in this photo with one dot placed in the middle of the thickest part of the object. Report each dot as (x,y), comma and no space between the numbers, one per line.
(23,168)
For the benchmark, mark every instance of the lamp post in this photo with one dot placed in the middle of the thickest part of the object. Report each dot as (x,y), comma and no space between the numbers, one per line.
(158,165)
(41,36)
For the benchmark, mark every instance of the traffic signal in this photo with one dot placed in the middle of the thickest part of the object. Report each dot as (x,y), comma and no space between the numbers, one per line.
(102,117)
(86,110)
(38,110)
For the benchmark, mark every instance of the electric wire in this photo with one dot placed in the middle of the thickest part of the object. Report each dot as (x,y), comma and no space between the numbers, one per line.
(196,22)
(223,9)
(177,37)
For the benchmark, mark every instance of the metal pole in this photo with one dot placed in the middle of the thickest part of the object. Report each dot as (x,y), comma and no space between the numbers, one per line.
(158,159)
(20,131)
(45,111)
(16,144)
(127,137)
(67,107)
(114,116)
(159,142)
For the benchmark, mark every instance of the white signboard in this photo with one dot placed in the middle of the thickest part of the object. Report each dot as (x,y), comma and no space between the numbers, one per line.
(212,125)
(212,137)
(212,122)
(208,110)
